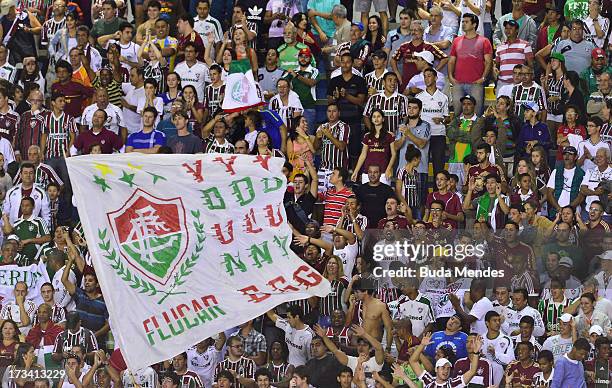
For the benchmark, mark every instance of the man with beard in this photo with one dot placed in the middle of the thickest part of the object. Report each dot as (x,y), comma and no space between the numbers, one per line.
(304,79)
(443,367)
(204,357)
(592,75)
(485,168)
(288,52)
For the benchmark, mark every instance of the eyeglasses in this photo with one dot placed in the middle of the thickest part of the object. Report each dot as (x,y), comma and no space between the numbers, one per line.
(237,346)
(435,210)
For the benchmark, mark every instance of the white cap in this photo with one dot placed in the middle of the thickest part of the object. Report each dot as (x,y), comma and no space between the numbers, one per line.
(426,56)
(442,362)
(566,262)
(6,5)
(596,329)
(566,317)
(607,255)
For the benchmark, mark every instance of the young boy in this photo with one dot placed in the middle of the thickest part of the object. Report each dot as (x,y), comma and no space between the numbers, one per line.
(53,192)
(533,132)
(524,194)
(545,376)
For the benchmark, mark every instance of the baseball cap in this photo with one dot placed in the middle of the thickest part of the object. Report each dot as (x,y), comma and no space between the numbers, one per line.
(467,96)
(358,24)
(6,5)
(596,53)
(596,329)
(570,150)
(511,22)
(532,106)
(442,362)
(379,54)
(551,7)
(305,51)
(566,317)
(13,237)
(566,262)
(558,56)
(426,56)
(607,255)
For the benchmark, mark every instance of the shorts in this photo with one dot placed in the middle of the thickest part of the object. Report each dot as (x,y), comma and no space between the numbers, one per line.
(365,5)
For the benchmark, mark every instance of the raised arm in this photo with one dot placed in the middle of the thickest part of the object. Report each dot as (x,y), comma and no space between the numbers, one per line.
(339,354)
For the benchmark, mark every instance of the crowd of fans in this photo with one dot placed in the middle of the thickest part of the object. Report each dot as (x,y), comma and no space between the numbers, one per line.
(462,123)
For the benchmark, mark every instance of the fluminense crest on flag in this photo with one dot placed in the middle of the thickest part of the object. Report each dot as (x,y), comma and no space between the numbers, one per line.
(186,246)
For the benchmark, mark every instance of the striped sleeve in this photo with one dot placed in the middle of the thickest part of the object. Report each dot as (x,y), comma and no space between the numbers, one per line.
(43,230)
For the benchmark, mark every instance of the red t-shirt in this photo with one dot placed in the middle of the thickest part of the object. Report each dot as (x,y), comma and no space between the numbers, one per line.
(108,140)
(452,204)
(74,93)
(564,130)
(379,151)
(406,52)
(470,54)
(334,201)
(525,375)
(194,38)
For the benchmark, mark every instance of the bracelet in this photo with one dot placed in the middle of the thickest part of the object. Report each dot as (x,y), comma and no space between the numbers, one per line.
(308,240)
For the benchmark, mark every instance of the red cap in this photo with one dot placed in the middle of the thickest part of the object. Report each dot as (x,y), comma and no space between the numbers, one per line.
(305,51)
(598,53)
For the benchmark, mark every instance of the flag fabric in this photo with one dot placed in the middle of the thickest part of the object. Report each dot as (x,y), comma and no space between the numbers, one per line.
(241,92)
(187,246)
(33,275)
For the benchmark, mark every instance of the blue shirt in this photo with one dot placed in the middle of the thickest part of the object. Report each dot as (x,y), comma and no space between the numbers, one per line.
(168,129)
(93,312)
(456,342)
(568,373)
(538,132)
(141,140)
(272,124)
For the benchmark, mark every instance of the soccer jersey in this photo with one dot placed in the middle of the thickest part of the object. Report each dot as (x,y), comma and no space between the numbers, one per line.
(503,354)
(394,107)
(212,98)
(142,378)
(419,311)
(558,345)
(522,95)
(376,82)
(429,381)
(196,75)
(541,382)
(298,342)
(142,140)
(551,311)
(204,363)
(58,131)
(26,229)
(484,374)
(332,156)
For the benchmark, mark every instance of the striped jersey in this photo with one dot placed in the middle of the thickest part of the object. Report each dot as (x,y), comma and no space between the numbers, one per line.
(67,339)
(43,175)
(429,381)
(31,127)
(525,94)
(508,55)
(58,130)
(334,202)
(541,382)
(343,336)
(278,371)
(244,367)
(537,347)
(419,311)
(554,88)
(333,300)
(212,98)
(332,156)
(49,28)
(9,122)
(303,304)
(394,107)
(212,146)
(551,311)
(58,314)
(154,69)
(411,186)
(484,373)
(376,82)
(190,379)
(286,112)
(115,93)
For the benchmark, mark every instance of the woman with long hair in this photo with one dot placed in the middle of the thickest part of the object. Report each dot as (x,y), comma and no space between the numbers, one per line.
(263,146)
(278,365)
(245,57)
(300,145)
(417,9)
(571,125)
(24,362)
(193,107)
(31,74)
(539,160)
(9,333)
(574,95)
(568,216)
(304,33)
(523,166)
(334,273)
(378,149)
(173,91)
(501,118)
(64,39)
(374,33)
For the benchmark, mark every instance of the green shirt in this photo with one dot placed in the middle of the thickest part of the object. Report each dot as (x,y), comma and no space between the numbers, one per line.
(33,227)
(591,79)
(288,55)
(576,9)
(305,92)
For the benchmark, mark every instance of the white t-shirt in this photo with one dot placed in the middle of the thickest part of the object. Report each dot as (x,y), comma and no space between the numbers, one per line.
(587,144)
(368,367)
(204,364)
(504,354)
(196,75)
(591,179)
(142,378)
(158,104)
(557,345)
(435,105)
(133,121)
(114,118)
(62,296)
(348,254)
(298,342)
(568,176)
(479,310)
(481,4)
(128,51)
(511,323)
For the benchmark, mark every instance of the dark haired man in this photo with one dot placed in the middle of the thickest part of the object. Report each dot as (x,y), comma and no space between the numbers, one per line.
(148,140)
(74,92)
(98,134)
(27,188)
(185,26)
(298,335)
(184,142)
(569,371)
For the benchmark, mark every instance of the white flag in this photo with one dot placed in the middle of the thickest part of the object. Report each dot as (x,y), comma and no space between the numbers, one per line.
(186,246)
(241,93)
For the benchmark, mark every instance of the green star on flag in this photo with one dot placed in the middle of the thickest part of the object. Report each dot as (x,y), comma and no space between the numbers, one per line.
(127,178)
(102,183)
(156,177)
